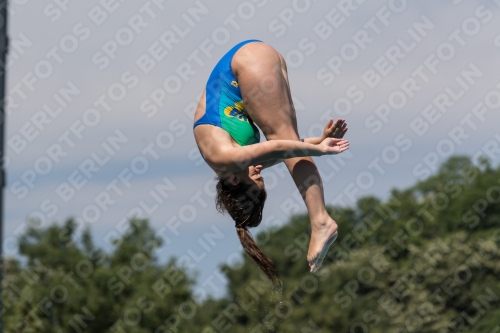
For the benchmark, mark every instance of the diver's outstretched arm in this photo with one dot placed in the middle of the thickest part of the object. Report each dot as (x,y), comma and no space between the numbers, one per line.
(332,129)
(239,158)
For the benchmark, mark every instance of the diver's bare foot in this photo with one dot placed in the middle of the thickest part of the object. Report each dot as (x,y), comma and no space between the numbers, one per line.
(322,235)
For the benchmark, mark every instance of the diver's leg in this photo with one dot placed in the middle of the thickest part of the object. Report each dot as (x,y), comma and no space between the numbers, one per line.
(261,75)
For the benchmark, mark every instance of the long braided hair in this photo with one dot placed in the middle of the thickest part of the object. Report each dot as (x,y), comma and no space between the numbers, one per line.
(245,203)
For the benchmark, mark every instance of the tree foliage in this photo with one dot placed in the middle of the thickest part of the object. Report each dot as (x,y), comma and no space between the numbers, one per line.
(425,260)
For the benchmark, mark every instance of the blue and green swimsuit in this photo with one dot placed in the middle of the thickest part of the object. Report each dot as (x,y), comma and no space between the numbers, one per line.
(224,105)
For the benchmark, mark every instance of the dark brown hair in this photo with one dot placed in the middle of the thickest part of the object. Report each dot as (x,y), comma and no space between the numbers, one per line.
(245,203)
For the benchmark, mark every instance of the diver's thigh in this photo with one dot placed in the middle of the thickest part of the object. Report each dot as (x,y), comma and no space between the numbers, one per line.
(265,91)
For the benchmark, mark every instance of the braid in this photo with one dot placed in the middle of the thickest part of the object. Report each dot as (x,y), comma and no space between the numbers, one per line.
(245,204)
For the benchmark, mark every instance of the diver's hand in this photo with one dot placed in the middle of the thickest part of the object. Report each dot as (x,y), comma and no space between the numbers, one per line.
(332,146)
(335,129)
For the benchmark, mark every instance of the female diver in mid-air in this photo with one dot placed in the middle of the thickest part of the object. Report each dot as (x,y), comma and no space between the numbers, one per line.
(249,86)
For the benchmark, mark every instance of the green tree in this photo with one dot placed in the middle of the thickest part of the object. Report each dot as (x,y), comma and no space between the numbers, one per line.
(69,285)
(425,260)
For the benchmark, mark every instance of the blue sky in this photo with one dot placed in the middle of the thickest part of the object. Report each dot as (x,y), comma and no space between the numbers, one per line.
(89,59)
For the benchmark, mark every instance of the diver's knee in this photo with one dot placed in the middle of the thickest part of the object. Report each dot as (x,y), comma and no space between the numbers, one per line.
(256,57)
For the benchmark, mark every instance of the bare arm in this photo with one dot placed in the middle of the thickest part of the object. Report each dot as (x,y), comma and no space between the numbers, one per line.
(313,141)
(333,129)
(270,163)
(239,158)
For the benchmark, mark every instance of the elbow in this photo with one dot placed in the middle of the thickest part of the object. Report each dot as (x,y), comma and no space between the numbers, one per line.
(229,161)
(238,163)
